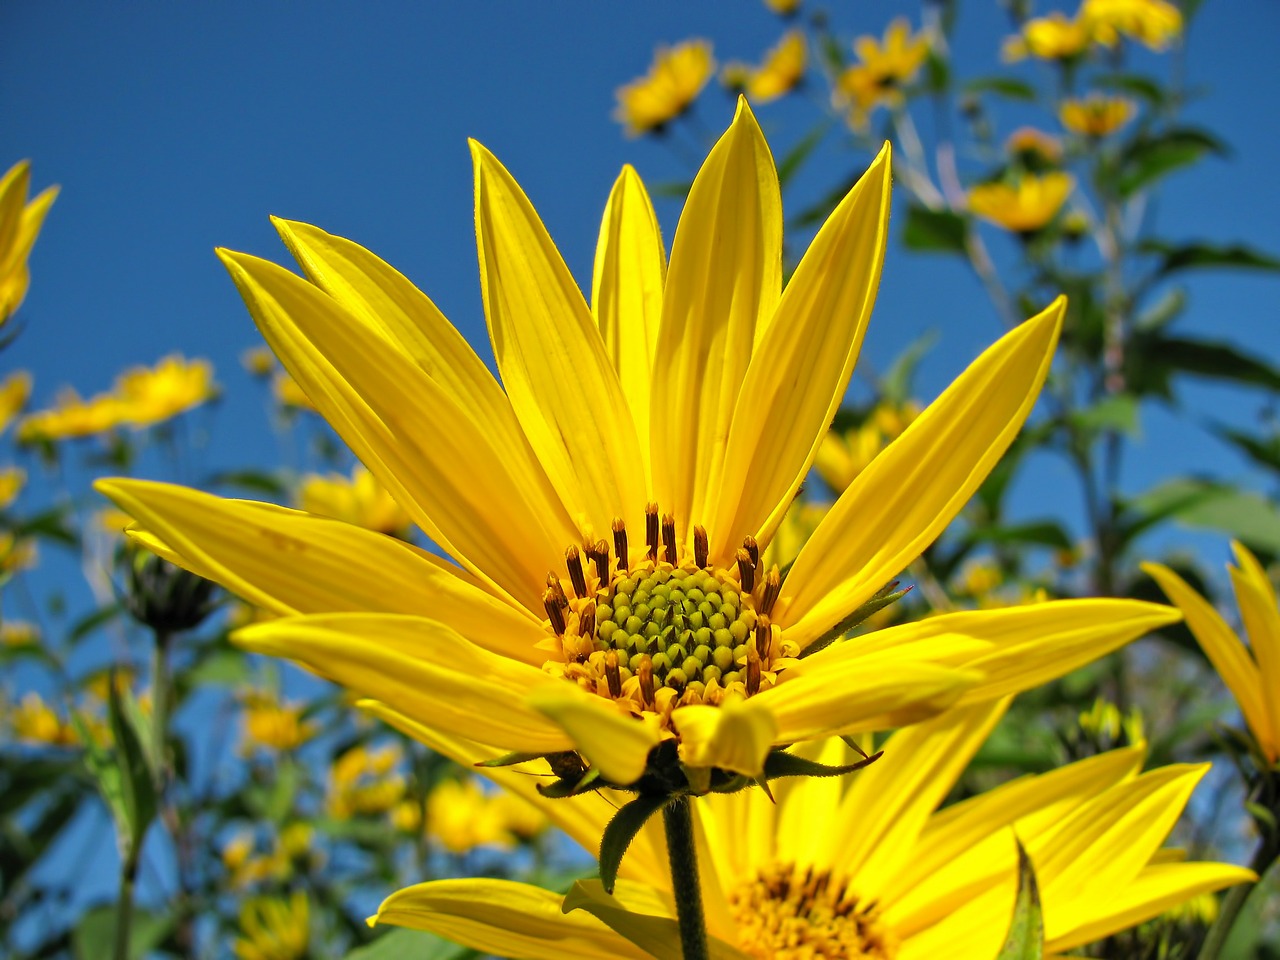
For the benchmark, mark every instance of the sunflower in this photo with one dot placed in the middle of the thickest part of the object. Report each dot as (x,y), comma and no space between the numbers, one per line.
(644,452)
(859,867)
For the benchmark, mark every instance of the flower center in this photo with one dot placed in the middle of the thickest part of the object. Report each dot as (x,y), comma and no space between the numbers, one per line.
(803,915)
(660,627)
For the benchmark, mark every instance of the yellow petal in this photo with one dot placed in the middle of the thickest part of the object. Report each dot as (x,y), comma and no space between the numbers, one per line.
(29,224)
(722,287)
(885,692)
(420,668)
(464,492)
(1257,600)
(641,915)
(626,292)
(799,373)
(1225,651)
(974,926)
(14,187)
(900,503)
(386,301)
(290,562)
(618,744)
(565,392)
(504,918)
(734,736)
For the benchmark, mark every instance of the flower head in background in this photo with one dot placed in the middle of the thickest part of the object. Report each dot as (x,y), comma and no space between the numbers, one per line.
(1025,206)
(359,500)
(1154,23)
(365,781)
(1052,37)
(608,509)
(272,724)
(1034,149)
(674,81)
(782,70)
(12,480)
(1251,673)
(14,393)
(20,223)
(288,394)
(34,721)
(258,361)
(152,395)
(462,816)
(71,418)
(273,928)
(864,866)
(845,454)
(783,8)
(1096,115)
(883,69)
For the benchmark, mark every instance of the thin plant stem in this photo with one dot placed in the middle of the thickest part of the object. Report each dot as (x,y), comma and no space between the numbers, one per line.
(677,818)
(160,682)
(124,906)
(1266,854)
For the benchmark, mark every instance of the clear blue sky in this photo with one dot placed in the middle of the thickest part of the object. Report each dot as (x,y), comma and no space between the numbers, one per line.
(174,128)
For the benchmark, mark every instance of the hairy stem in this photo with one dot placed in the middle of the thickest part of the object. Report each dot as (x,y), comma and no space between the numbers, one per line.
(677,818)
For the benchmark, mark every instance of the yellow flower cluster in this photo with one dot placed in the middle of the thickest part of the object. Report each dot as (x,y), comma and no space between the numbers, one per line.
(20,223)
(37,722)
(884,67)
(780,72)
(462,816)
(245,866)
(843,456)
(272,928)
(359,500)
(273,725)
(14,391)
(1024,206)
(142,397)
(1096,115)
(1154,23)
(365,781)
(674,81)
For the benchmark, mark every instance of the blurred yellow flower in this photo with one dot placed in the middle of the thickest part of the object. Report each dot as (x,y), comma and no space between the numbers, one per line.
(288,394)
(18,633)
(461,817)
(272,928)
(272,724)
(1096,115)
(16,553)
(360,500)
(1154,23)
(14,391)
(782,69)
(1251,673)
(1104,722)
(258,361)
(783,8)
(237,850)
(112,522)
(1054,37)
(151,395)
(364,781)
(245,867)
(72,417)
(35,721)
(674,81)
(20,223)
(1024,207)
(1030,144)
(842,456)
(883,69)
(12,480)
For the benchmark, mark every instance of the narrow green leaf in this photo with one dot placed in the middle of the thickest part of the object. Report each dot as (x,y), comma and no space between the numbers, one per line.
(1188,256)
(255,481)
(418,944)
(1007,87)
(97,927)
(1041,533)
(1150,158)
(1026,932)
(622,829)
(1264,451)
(136,780)
(1212,359)
(1118,412)
(896,384)
(794,159)
(940,231)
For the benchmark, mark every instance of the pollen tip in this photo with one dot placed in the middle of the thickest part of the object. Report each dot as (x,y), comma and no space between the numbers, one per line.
(669,538)
(746,571)
(620,542)
(701,546)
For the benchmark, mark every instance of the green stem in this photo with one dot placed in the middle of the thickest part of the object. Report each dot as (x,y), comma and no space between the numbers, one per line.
(682,851)
(124,906)
(160,705)
(1266,854)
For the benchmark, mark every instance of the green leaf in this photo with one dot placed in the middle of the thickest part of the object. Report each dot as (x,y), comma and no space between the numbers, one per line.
(1264,451)
(1026,931)
(1188,256)
(401,943)
(1136,84)
(1041,533)
(137,784)
(97,928)
(1118,412)
(622,829)
(1218,361)
(779,763)
(795,157)
(1250,518)
(255,481)
(1162,312)
(1149,158)
(939,231)
(1007,87)
(92,621)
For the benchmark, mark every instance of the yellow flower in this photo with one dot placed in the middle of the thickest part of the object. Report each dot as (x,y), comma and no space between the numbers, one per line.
(274,725)
(1105,723)
(1055,37)
(14,391)
(674,81)
(35,721)
(783,8)
(564,471)
(16,554)
(258,361)
(272,928)
(12,480)
(1025,206)
(1251,673)
(72,417)
(236,852)
(18,633)
(1096,115)
(1154,23)
(842,456)
(860,866)
(1028,143)
(288,394)
(365,781)
(461,817)
(781,71)
(20,223)
(360,500)
(152,395)
(883,69)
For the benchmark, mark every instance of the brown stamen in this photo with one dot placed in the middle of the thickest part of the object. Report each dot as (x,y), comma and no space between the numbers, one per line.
(587,620)
(645,672)
(556,589)
(753,672)
(746,571)
(753,550)
(701,549)
(612,675)
(620,542)
(555,612)
(573,560)
(763,638)
(669,537)
(772,587)
(600,557)
(651,530)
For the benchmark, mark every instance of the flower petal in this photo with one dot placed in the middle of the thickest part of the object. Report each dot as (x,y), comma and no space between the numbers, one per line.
(465,492)
(642,915)
(722,287)
(1257,600)
(900,503)
(290,562)
(420,668)
(504,918)
(626,292)
(565,393)
(1225,651)
(800,371)
(616,742)
(734,736)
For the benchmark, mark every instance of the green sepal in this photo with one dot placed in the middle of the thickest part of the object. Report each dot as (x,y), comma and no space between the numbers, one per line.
(1026,931)
(571,788)
(699,779)
(885,596)
(622,829)
(510,759)
(779,763)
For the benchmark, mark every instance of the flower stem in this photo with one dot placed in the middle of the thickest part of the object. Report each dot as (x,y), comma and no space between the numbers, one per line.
(1266,854)
(682,851)
(160,694)
(124,906)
